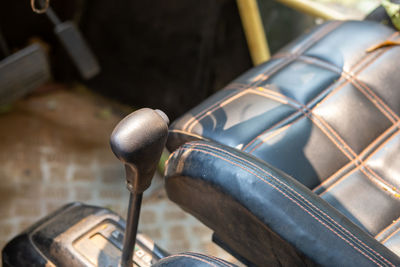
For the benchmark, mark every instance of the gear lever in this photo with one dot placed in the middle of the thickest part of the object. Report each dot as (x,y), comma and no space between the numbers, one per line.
(138,141)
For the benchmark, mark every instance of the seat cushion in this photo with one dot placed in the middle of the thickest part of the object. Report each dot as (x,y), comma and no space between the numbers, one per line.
(323,110)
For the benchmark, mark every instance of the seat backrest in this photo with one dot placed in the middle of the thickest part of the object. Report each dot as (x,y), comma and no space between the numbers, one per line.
(325,110)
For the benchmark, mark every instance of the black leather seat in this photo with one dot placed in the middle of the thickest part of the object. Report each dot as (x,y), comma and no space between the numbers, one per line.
(297,162)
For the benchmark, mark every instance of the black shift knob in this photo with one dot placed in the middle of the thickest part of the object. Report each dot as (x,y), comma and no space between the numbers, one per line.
(138,141)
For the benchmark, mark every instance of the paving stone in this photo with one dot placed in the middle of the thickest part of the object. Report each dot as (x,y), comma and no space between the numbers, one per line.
(147,217)
(84,174)
(177,233)
(6,228)
(83,194)
(28,209)
(56,192)
(57,172)
(175,215)
(112,173)
(154,233)
(111,194)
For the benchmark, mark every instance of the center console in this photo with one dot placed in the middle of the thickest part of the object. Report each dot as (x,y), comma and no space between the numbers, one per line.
(78,235)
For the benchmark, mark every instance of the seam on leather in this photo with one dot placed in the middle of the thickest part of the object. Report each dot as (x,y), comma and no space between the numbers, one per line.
(349,153)
(361,163)
(387,228)
(365,58)
(231,97)
(276,125)
(340,144)
(318,121)
(310,204)
(279,188)
(269,93)
(272,96)
(372,61)
(272,134)
(362,87)
(311,41)
(392,190)
(388,134)
(279,181)
(390,236)
(386,185)
(356,168)
(299,112)
(335,176)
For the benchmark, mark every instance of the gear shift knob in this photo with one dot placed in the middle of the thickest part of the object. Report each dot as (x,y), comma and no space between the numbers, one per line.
(138,141)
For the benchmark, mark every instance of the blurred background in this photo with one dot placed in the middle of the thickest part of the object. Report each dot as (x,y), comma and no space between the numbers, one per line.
(63,88)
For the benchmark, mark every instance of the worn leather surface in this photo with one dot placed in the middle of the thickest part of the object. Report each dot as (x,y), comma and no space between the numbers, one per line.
(325,112)
(278,201)
(192,259)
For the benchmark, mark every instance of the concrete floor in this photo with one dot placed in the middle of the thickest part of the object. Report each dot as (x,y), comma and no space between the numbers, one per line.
(54,150)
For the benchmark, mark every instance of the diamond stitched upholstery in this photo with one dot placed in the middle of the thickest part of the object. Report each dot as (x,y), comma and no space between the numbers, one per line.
(324,111)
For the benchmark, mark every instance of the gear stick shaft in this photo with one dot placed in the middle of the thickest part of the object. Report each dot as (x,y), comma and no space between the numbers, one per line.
(138,141)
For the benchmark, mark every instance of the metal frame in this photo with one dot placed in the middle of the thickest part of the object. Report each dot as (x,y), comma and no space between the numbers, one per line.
(254,29)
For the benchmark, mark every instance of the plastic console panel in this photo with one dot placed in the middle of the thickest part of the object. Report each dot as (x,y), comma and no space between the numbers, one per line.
(77,235)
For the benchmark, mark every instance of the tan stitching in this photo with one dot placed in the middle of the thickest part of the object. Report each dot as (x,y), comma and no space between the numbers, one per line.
(213,105)
(349,153)
(296,113)
(360,84)
(377,140)
(217,105)
(313,39)
(382,51)
(340,179)
(360,70)
(390,236)
(385,185)
(330,130)
(333,177)
(273,134)
(271,96)
(195,119)
(230,100)
(362,87)
(272,127)
(357,161)
(376,101)
(306,111)
(278,96)
(362,163)
(387,228)
(233,156)
(297,203)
